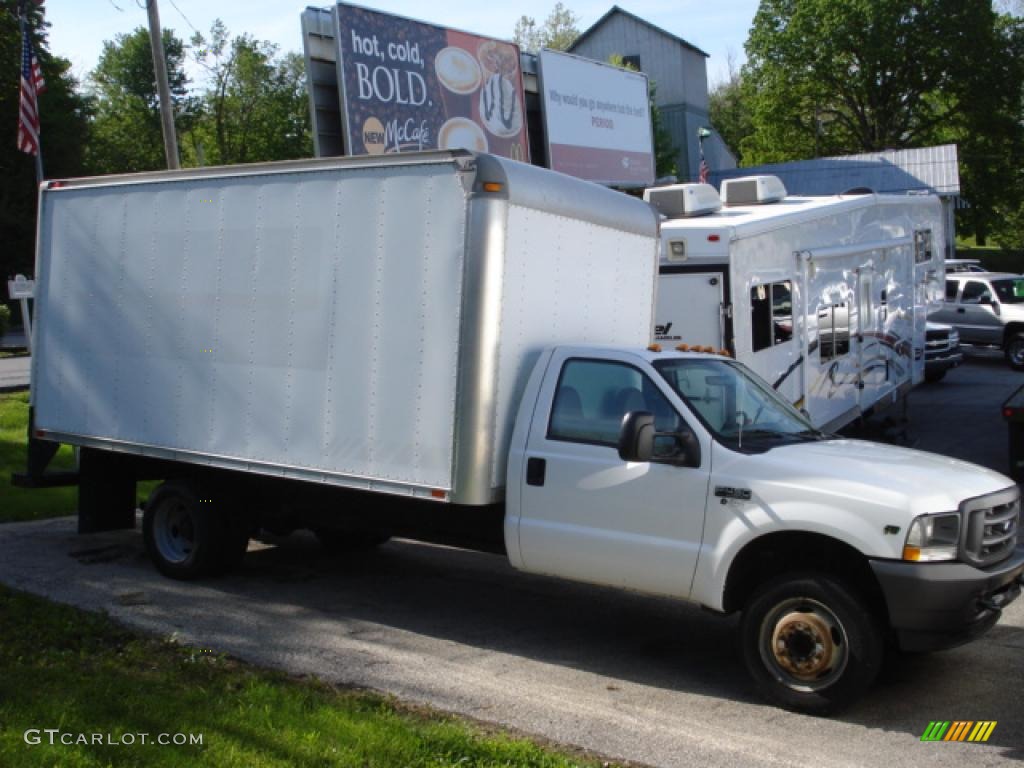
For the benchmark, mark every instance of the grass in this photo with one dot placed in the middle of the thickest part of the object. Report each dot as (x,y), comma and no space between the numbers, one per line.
(82,673)
(17,504)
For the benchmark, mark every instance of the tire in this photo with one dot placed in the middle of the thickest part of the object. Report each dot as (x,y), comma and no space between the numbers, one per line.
(188,534)
(1013,350)
(338,542)
(810,644)
(933,376)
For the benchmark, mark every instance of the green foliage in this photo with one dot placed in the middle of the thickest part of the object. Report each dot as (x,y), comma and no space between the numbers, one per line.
(558,32)
(828,78)
(126,129)
(255,106)
(63,117)
(5,318)
(729,109)
(64,668)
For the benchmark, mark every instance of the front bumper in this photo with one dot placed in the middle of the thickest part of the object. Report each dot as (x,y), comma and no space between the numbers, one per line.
(943,361)
(941,605)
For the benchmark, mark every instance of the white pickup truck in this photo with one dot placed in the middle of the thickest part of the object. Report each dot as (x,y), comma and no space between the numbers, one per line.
(452,347)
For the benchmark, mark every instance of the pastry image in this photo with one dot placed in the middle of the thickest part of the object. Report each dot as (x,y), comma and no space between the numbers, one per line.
(498,58)
(499,106)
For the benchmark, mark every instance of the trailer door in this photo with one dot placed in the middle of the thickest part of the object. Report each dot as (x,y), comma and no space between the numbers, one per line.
(691,308)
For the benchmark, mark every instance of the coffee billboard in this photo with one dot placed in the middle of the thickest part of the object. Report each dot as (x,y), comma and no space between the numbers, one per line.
(408,86)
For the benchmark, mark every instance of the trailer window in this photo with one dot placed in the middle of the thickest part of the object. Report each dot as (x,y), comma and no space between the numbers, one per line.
(833,331)
(593,396)
(771,314)
(922,246)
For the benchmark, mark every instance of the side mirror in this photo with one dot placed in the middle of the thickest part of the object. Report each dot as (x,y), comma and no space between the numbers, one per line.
(636,437)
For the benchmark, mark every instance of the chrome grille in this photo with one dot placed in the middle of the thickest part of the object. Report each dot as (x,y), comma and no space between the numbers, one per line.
(992,524)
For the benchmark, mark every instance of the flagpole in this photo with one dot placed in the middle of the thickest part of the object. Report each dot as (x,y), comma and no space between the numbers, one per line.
(23,23)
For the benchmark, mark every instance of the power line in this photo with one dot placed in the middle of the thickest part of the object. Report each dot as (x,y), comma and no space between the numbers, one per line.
(175,5)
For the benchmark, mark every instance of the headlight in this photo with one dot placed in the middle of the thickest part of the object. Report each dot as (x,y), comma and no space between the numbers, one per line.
(933,537)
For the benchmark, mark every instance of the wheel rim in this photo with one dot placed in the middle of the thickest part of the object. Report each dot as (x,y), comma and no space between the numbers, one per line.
(804,644)
(174,531)
(1017,352)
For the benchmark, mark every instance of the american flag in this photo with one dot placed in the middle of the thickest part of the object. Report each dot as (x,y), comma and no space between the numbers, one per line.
(32,84)
(703,177)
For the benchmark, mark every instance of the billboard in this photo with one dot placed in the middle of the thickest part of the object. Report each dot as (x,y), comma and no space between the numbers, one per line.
(408,86)
(597,119)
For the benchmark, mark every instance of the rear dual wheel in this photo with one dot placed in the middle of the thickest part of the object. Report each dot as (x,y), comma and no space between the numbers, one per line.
(190,532)
(810,643)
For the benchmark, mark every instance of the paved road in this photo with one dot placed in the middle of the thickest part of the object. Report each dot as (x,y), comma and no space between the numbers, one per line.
(14,373)
(626,676)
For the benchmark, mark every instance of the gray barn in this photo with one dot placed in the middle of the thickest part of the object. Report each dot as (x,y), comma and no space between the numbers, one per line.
(677,67)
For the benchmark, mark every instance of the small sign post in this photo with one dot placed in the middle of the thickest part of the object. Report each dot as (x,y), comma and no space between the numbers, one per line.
(23,289)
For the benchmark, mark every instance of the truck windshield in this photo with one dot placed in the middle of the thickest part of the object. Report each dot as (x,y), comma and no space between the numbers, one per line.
(740,409)
(1010,290)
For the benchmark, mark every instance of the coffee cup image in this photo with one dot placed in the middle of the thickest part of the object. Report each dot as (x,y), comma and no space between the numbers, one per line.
(461,133)
(459,74)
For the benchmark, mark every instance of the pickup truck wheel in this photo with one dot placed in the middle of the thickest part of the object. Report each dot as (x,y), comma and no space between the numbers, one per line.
(1014,351)
(810,644)
(338,542)
(185,538)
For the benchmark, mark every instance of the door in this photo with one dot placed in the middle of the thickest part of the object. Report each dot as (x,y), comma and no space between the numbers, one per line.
(977,314)
(586,514)
(690,309)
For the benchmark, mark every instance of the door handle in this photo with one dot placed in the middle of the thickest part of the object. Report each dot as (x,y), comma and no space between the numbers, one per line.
(536,469)
(960,310)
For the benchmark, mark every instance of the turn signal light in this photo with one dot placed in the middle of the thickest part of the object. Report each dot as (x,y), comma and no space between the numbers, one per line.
(912,553)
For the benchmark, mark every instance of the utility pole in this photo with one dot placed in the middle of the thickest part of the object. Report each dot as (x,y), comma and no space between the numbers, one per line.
(156,42)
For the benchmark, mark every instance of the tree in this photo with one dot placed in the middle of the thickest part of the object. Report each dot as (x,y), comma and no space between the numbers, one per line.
(827,78)
(63,124)
(126,129)
(729,109)
(558,33)
(255,106)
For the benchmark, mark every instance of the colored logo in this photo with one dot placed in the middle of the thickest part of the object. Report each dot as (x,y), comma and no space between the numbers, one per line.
(958,730)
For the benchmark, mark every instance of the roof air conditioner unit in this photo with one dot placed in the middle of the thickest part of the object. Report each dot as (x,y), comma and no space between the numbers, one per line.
(753,190)
(681,201)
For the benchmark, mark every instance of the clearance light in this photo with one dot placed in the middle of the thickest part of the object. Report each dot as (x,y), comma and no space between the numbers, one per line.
(724,353)
(654,348)
(713,238)
(682,347)
(492,186)
(438,494)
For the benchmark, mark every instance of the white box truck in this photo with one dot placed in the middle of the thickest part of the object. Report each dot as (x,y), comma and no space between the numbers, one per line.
(826,298)
(453,347)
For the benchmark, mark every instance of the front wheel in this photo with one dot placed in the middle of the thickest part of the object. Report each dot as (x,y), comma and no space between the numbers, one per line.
(1014,351)
(810,644)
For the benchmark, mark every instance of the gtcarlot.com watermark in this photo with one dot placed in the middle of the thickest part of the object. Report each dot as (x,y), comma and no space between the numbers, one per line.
(55,737)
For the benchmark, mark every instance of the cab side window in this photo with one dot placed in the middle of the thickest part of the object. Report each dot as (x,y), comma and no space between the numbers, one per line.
(975,292)
(593,396)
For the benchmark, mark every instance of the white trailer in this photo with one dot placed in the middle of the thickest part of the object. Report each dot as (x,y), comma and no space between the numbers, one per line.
(826,298)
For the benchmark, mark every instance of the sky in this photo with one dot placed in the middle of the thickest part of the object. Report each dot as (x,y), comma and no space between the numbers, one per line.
(79,27)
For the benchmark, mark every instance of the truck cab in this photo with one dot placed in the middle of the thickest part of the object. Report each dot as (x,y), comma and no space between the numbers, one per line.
(682,474)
